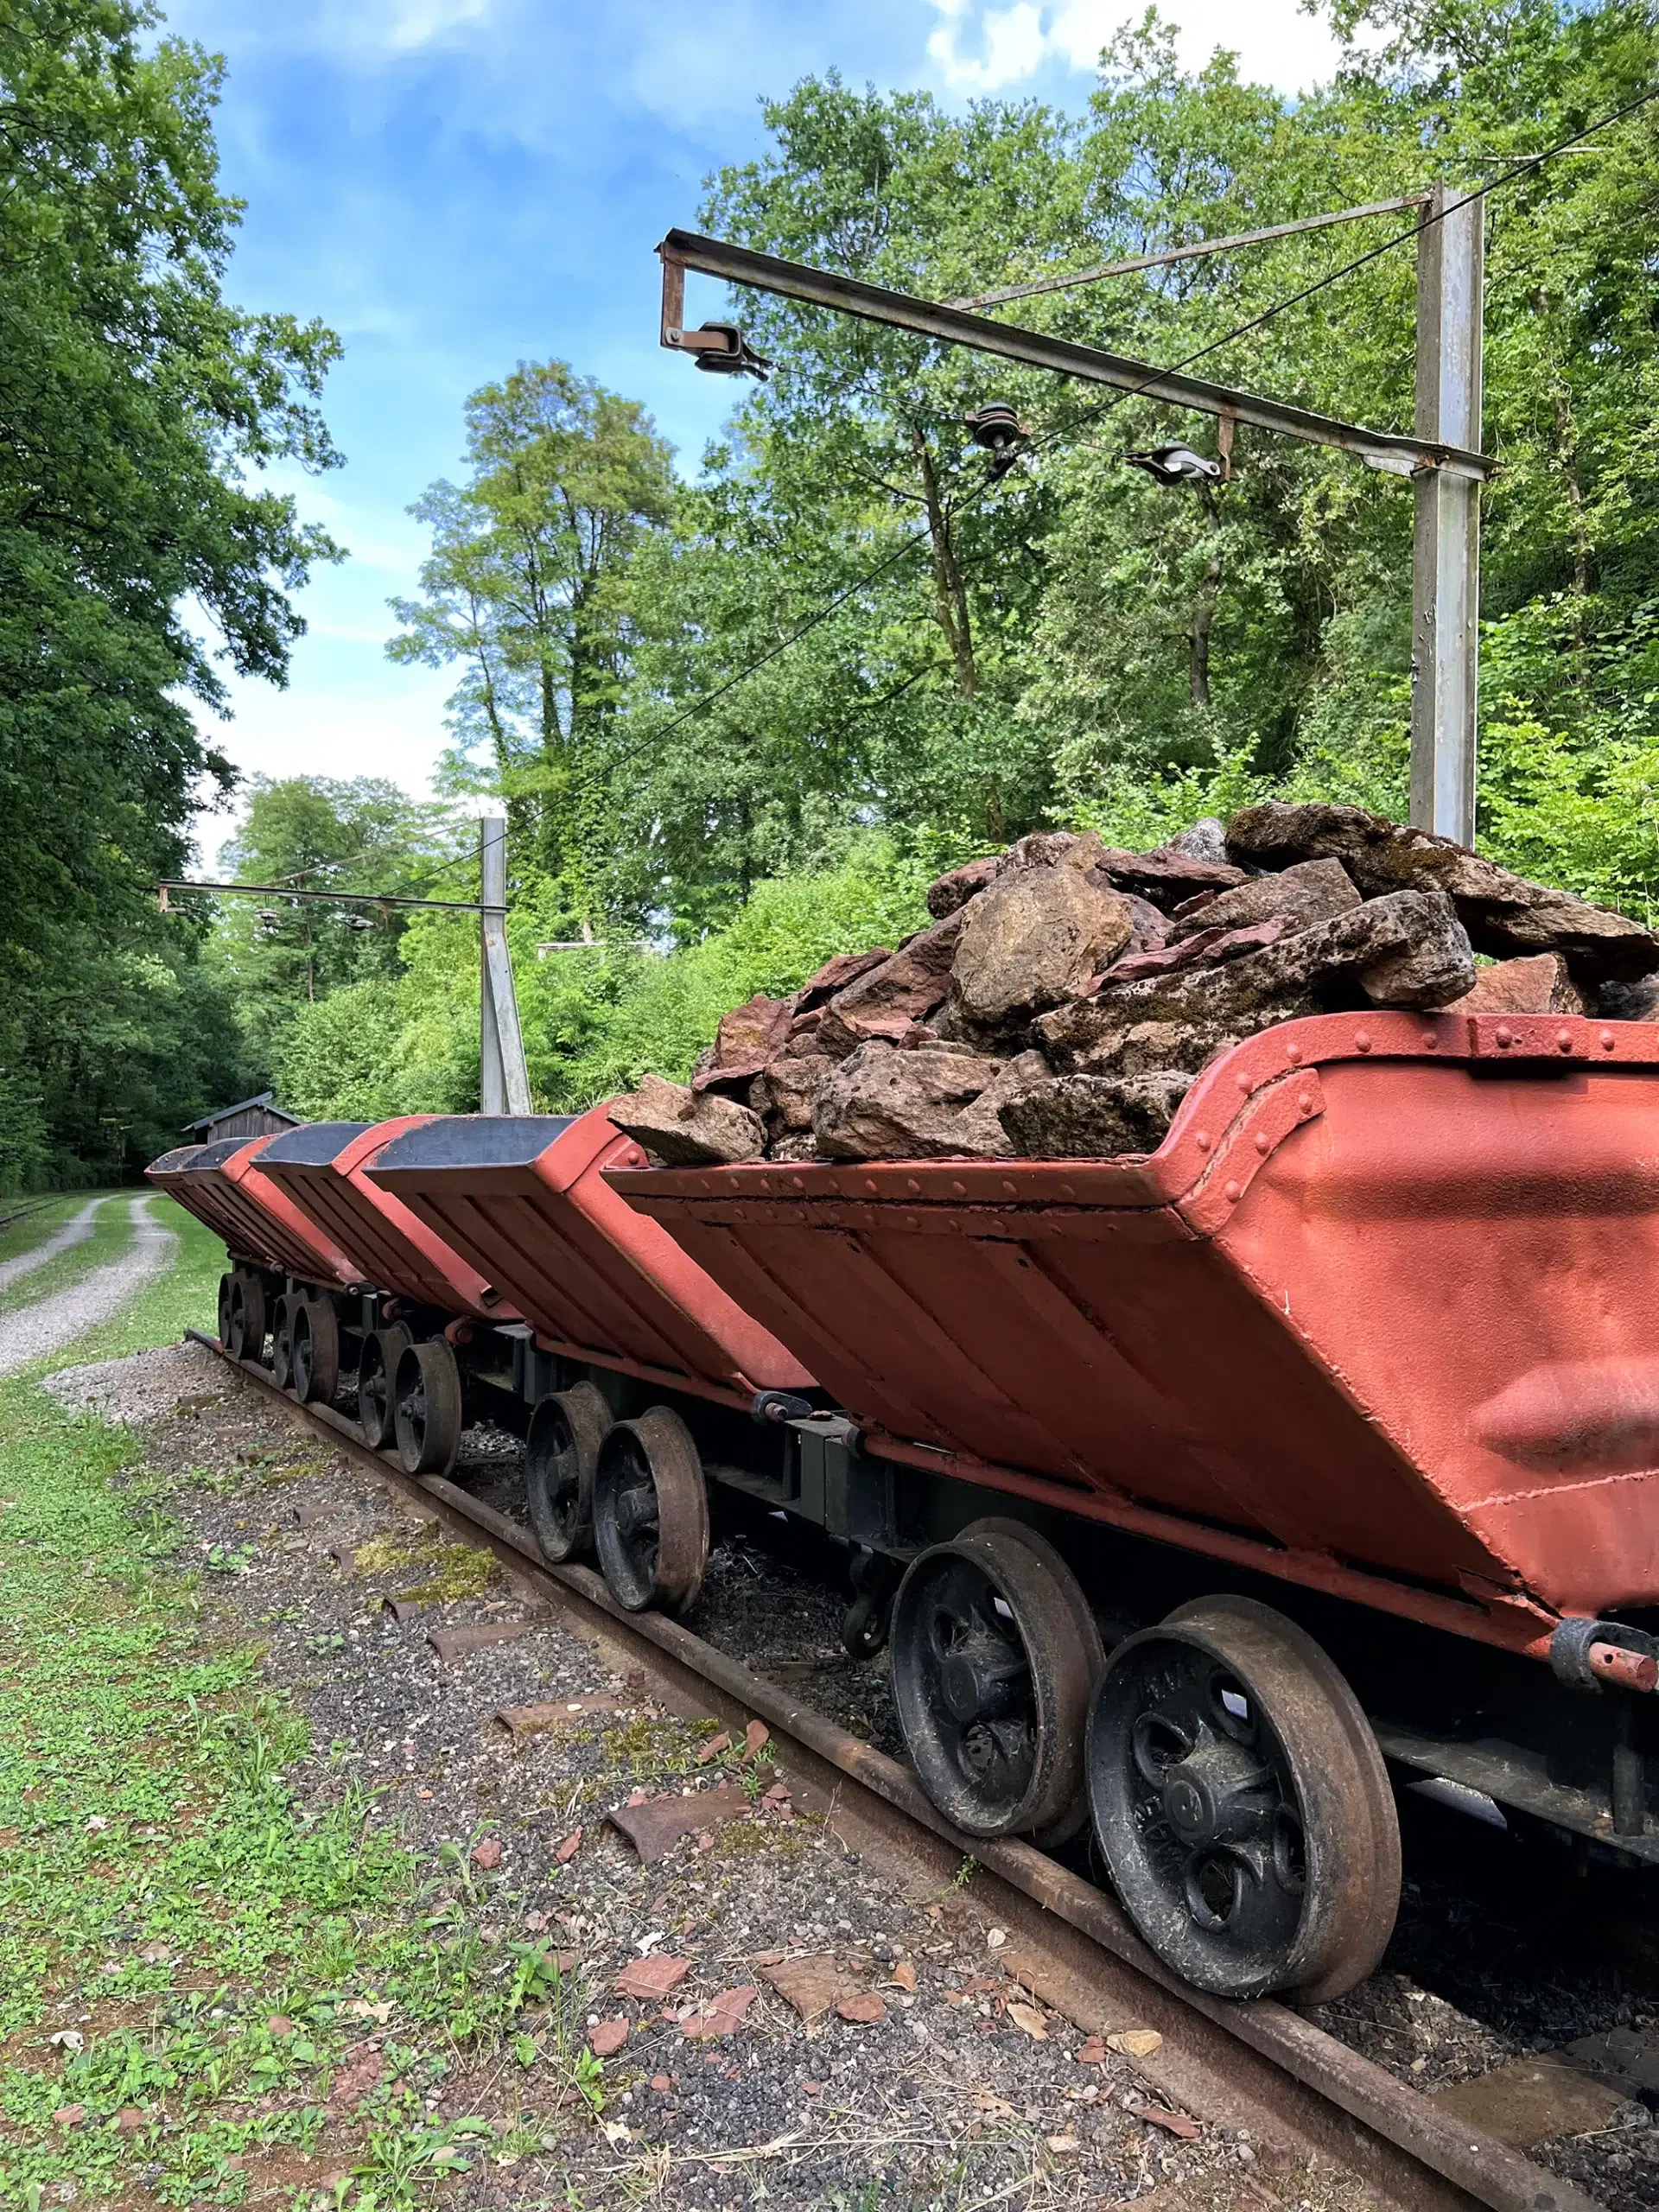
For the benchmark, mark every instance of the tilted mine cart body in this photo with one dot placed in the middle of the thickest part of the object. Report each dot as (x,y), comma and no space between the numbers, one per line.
(271,1243)
(1358,1373)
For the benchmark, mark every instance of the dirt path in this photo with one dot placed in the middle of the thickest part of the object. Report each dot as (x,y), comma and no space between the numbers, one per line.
(35,1330)
(74,1232)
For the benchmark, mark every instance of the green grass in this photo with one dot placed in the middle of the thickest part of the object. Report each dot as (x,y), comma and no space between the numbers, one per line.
(39,1218)
(166,1894)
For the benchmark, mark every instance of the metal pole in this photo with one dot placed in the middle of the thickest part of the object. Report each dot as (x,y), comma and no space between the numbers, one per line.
(503,1081)
(1445,544)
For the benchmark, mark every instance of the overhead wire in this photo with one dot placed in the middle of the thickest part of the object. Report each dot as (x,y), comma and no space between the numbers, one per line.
(916,538)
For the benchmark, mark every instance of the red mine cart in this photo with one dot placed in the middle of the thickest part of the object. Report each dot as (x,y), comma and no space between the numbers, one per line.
(643,1375)
(268,1238)
(1370,1336)
(420,1285)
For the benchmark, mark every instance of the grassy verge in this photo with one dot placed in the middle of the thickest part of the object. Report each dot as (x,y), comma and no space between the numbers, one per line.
(211,1987)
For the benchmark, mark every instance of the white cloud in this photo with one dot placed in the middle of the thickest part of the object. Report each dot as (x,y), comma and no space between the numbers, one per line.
(986,49)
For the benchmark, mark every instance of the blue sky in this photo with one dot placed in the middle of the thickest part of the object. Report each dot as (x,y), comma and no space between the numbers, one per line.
(457,185)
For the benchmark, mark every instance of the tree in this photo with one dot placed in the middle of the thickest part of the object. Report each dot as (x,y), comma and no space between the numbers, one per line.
(321,835)
(528,588)
(134,401)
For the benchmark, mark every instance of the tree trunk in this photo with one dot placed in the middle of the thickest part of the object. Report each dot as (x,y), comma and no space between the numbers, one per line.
(949,593)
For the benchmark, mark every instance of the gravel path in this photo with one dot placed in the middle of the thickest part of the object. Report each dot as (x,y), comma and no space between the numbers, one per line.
(35,1330)
(74,1232)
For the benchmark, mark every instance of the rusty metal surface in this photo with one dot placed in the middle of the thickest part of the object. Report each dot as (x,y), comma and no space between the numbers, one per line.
(1373,1318)
(656,1827)
(1418,2155)
(453,1643)
(223,1186)
(388,1244)
(591,1277)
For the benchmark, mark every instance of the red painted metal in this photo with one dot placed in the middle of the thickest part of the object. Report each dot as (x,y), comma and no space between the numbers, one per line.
(592,1278)
(1375,1317)
(222,1186)
(387,1244)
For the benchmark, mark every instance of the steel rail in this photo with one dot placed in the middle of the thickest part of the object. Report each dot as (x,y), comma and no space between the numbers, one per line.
(1395,453)
(1330,2098)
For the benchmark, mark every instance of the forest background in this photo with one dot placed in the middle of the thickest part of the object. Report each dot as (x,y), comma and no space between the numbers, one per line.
(1072,644)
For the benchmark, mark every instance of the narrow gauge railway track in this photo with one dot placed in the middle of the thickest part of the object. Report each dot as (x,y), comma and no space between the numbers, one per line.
(1310,2091)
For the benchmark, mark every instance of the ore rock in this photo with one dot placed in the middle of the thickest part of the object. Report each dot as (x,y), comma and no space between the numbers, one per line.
(1638,1002)
(880,1103)
(1311,892)
(1503,913)
(836,974)
(782,1094)
(1088,1116)
(1031,942)
(1050,849)
(978,1130)
(958,885)
(1539,985)
(748,1036)
(681,1128)
(1206,840)
(912,981)
(1164,878)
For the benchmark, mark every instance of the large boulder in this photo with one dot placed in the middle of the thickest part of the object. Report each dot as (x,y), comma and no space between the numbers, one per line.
(1093,1117)
(1405,950)
(681,1128)
(1503,913)
(880,1103)
(1032,940)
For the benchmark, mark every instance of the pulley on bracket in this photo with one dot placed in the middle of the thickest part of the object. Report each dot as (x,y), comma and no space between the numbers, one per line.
(1000,431)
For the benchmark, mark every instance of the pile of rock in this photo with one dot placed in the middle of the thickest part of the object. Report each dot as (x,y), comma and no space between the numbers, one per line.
(1066,993)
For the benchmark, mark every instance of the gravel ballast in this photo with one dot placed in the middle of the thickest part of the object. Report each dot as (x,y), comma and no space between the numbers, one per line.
(934,2077)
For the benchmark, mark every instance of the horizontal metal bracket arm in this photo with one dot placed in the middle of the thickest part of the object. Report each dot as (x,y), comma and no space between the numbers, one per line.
(1397,455)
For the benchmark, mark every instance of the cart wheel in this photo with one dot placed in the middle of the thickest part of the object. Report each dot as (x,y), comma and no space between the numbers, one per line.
(377,1369)
(650,1513)
(282,1343)
(316,1328)
(247,1316)
(1242,1805)
(560,1456)
(994,1653)
(226,1291)
(427,1418)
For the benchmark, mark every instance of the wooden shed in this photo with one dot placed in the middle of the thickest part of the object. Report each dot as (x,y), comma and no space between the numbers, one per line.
(249,1117)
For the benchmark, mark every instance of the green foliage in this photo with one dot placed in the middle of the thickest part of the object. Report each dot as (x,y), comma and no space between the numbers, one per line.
(137,401)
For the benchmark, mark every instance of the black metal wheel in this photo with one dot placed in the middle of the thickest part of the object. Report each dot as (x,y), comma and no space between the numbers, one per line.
(247,1315)
(377,1371)
(315,1331)
(226,1291)
(650,1513)
(282,1342)
(561,1460)
(1242,1806)
(428,1407)
(995,1654)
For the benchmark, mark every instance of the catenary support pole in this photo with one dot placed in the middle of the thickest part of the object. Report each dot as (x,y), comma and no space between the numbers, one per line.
(503,1081)
(1445,546)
